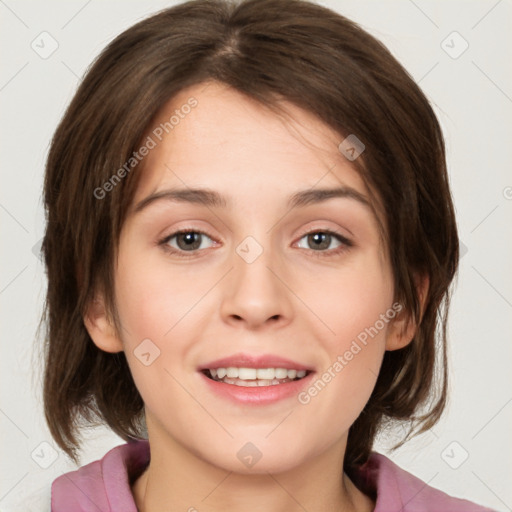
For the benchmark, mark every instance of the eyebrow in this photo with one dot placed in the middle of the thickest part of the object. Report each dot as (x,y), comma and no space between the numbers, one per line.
(211,198)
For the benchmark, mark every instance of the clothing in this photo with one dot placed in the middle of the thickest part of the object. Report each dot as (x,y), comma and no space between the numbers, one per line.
(105,485)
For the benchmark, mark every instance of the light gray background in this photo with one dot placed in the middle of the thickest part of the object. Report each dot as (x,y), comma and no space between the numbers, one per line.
(472,95)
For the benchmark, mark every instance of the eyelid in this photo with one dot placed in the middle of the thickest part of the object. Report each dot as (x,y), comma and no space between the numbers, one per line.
(332,231)
(189,230)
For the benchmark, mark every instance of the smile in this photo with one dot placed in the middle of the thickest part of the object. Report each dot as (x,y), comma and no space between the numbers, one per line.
(254,377)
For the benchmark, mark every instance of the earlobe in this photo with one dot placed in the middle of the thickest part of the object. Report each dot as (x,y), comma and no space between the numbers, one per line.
(100,327)
(400,332)
(403,327)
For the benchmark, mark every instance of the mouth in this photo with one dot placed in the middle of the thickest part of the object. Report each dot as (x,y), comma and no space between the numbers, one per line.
(255,377)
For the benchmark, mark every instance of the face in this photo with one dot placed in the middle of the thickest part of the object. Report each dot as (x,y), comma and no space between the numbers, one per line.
(259,280)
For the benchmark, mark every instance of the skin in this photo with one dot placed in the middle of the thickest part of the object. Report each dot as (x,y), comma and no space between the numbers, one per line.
(289,302)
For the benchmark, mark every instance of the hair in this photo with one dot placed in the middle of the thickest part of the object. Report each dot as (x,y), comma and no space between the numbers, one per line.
(268,50)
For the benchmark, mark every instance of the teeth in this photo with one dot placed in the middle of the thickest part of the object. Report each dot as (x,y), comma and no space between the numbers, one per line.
(261,376)
(266,373)
(232,373)
(281,373)
(247,373)
(254,383)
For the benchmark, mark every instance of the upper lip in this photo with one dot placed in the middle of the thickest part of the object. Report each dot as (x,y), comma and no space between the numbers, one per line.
(255,361)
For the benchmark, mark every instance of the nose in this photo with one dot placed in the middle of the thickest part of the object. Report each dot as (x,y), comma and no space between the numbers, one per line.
(255,292)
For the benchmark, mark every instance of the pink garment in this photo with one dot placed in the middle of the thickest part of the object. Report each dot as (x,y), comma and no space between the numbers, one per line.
(104,485)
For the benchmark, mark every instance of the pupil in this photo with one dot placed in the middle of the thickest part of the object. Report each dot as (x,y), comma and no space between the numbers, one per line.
(321,238)
(191,240)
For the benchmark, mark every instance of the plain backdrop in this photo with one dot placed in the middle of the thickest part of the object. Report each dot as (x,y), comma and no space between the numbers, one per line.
(458,51)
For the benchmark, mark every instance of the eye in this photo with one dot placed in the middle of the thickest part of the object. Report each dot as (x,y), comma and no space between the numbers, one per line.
(320,240)
(186,241)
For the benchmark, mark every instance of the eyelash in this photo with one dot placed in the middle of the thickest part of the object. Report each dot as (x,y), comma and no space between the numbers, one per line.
(346,243)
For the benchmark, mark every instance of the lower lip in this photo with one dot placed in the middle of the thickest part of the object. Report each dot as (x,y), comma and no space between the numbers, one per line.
(259,395)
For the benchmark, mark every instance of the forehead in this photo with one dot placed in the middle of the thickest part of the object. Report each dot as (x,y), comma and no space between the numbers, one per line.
(239,147)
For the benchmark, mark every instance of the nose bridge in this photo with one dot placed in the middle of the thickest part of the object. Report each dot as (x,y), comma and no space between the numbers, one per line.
(253,261)
(255,292)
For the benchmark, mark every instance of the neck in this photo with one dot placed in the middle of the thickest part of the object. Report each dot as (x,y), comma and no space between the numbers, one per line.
(177,479)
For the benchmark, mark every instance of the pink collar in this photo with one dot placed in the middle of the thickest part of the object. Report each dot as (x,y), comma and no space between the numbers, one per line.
(105,485)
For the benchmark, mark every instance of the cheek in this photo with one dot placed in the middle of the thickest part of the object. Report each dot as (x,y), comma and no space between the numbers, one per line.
(161,312)
(355,307)
(350,299)
(152,298)
(339,307)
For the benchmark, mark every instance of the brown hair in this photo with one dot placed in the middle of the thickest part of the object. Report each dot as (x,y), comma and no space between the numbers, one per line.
(266,49)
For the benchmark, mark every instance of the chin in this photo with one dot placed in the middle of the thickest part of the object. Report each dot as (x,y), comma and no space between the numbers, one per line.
(257,457)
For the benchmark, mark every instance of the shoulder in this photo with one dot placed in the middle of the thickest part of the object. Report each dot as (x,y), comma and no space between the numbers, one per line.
(102,485)
(396,489)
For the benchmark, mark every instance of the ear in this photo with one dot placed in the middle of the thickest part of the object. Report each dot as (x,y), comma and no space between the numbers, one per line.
(100,327)
(402,329)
